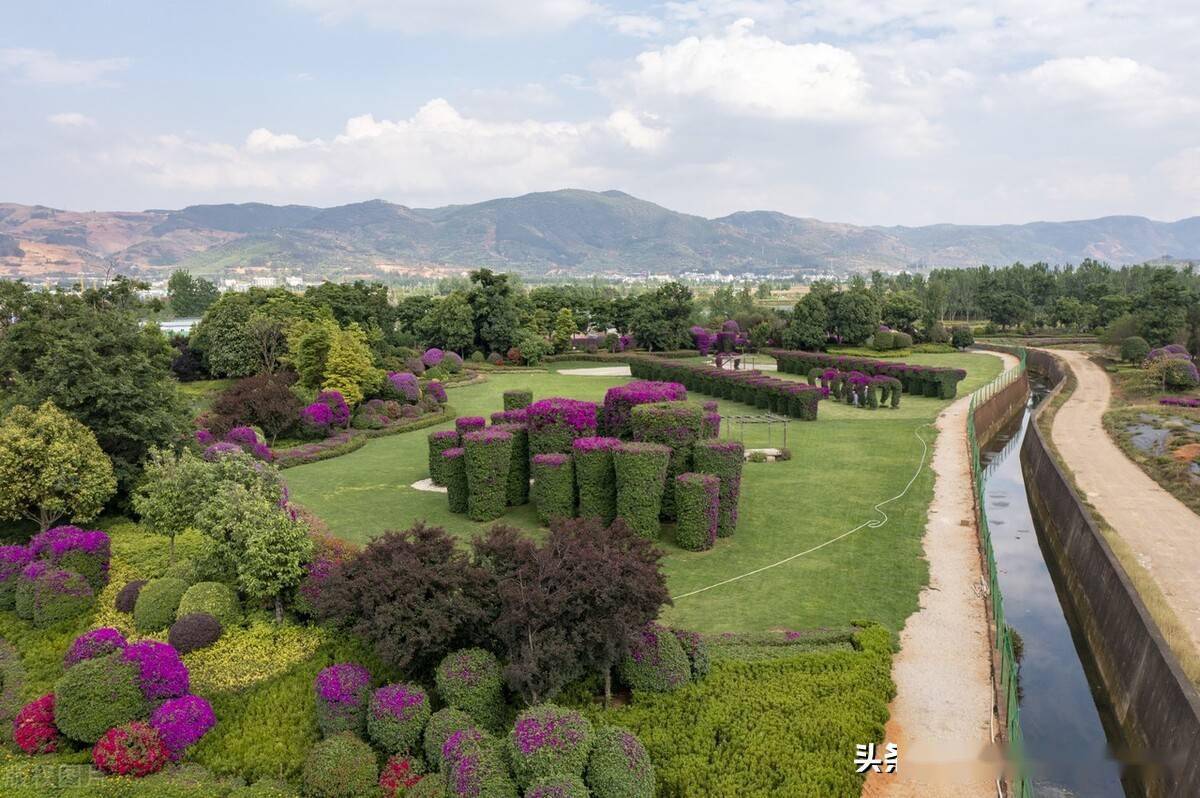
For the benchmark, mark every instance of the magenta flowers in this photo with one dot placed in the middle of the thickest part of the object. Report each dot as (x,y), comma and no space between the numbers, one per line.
(96,643)
(161,673)
(181,722)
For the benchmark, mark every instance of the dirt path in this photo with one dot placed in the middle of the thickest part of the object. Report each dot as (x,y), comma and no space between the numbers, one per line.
(941,716)
(1161,530)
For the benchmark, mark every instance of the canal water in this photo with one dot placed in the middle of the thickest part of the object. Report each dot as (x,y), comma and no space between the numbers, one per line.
(1069,732)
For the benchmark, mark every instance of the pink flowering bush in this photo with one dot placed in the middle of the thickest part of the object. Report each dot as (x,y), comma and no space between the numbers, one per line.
(549,742)
(13,560)
(342,692)
(404,386)
(86,552)
(34,731)
(432,357)
(337,405)
(181,722)
(656,661)
(96,643)
(134,749)
(556,422)
(161,673)
(400,773)
(316,420)
(396,717)
(437,391)
(620,400)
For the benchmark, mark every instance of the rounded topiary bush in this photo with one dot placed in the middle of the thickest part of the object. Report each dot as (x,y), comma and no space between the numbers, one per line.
(1134,349)
(641,469)
(396,717)
(619,766)
(474,767)
(488,454)
(724,459)
(698,498)
(181,722)
(620,400)
(13,560)
(342,692)
(194,631)
(517,399)
(548,741)
(60,595)
(442,724)
(96,643)
(156,604)
(696,650)
(341,766)
(132,749)
(902,341)
(400,774)
(97,694)
(674,424)
(127,598)
(214,598)
(567,787)
(161,673)
(656,661)
(432,786)
(458,494)
(517,488)
(556,422)
(883,339)
(553,490)
(439,442)
(264,788)
(596,477)
(23,590)
(33,727)
(470,680)
(465,424)
(84,551)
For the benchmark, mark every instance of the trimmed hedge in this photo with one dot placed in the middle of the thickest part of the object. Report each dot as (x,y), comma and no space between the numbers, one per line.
(549,742)
(455,473)
(214,598)
(517,488)
(342,766)
(553,486)
(396,717)
(157,603)
(596,478)
(488,454)
(556,422)
(194,631)
(917,380)
(470,680)
(725,460)
(95,695)
(60,595)
(478,770)
(565,787)
(439,442)
(13,560)
(443,723)
(517,399)
(126,600)
(674,424)
(698,497)
(784,397)
(656,661)
(619,766)
(342,691)
(641,470)
(620,400)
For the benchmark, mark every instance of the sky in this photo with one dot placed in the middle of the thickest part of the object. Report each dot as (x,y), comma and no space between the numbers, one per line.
(860,111)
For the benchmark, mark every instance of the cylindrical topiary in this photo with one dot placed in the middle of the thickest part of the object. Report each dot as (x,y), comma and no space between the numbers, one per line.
(470,680)
(465,424)
(441,725)
(724,459)
(181,722)
(696,650)
(439,442)
(455,474)
(656,661)
(619,766)
(517,399)
(554,423)
(674,424)
(134,749)
(342,692)
(33,727)
(215,598)
(553,489)
(698,498)
(13,560)
(97,694)
(641,469)
(620,400)
(711,425)
(489,452)
(400,774)
(396,717)
(60,595)
(518,464)
(341,766)
(161,673)
(548,741)
(96,643)
(157,603)
(565,787)
(596,477)
(194,631)
(126,599)
(474,767)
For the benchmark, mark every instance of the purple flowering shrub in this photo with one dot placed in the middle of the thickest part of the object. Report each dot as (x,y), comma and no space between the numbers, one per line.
(86,552)
(674,424)
(509,416)
(316,420)
(436,391)
(342,692)
(518,467)
(656,661)
(470,680)
(567,787)
(596,477)
(548,741)
(452,362)
(474,767)
(466,424)
(725,460)
(246,440)
(704,339)
(1180,401)
(161,673)
(442,724)
(396,717)
(96,643)
(13,560)
(556,422)
(432,357)
(23,591)
(553,489)
(698,498)
(181,722)
(696,650)
(619,765)
(620,400)
(404,386)
(337,405)
(59,595)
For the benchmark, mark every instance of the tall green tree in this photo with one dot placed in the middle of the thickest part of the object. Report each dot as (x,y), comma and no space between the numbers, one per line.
(449,324)
(809,325)
(190,296)
(564,329)
(662,317)
(854,314)
(496,310)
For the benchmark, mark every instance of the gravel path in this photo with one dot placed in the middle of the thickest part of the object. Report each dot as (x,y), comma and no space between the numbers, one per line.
(1161,530)
(942,714)
(598,371)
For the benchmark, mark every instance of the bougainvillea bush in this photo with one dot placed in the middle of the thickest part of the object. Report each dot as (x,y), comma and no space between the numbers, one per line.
(442,724)
(435,390)
(465,424)
(396,717)
(553,489)
(549,742)
(619,766)
(59,595)
(596,477)
(556,422)
(517,399)
(518,464)
(133,749)
(439,442)
(403,385)
(488,455)
(96,643)
(400,773)
(95,695)
(641,470)
(34,731)
(620,400)
(697,651)
(86,552)
(674,424)
(656,661)
(454,471)
(469,680)
(342,692)
(181,722)
(474,767)
(725,460)
(698,498)
(13,560)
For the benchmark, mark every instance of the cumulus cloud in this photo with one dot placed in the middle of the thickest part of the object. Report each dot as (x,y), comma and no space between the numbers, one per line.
(636,25)
(634,132)
(475,17)
(46,67)
(71,119)
(1114,83)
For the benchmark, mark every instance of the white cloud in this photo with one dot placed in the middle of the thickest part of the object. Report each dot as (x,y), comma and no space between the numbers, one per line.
(634,132)
(475,17)
(756,75)
(45,67)
(1115,84)
(71,119)
(636,25)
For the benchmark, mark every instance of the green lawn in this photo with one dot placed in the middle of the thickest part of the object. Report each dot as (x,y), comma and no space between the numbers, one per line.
(843,464)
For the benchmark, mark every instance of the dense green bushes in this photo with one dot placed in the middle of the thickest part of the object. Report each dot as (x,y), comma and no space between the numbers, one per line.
(619,766)
(95,695)
(698,499)
(488,455)
(596,477)
(725,460)
(517,399)
(917,380)
(59,595)
(469,680)
(554,486)
(656,661)
(674,424)
(441,725)
(518,464)
(396,717)
(641,470)
(548,742)
(157,603)
(455,474)
(785,397)
(214,598)
(439,442)
(341,767)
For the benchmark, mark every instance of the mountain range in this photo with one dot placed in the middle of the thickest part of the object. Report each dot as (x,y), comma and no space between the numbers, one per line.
(568,232)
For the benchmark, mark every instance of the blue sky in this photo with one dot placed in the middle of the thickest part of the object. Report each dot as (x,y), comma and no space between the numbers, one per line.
(881,112)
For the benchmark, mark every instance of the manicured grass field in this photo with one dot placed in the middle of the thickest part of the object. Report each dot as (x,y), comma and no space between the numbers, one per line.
(843,464)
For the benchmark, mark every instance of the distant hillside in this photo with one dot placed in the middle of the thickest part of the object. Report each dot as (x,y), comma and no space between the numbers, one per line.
(568,232)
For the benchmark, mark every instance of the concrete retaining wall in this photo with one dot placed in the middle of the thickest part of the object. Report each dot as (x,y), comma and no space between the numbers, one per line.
(1154,702)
